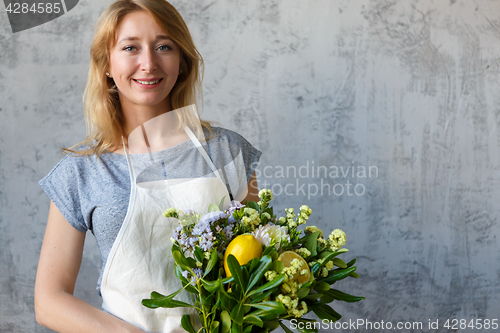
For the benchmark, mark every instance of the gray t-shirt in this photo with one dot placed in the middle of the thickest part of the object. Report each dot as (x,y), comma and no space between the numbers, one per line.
(93,193)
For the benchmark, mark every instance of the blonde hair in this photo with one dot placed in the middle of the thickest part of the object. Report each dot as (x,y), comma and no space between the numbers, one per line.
(103,115)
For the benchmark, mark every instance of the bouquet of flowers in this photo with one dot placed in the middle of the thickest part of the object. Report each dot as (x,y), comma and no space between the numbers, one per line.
(248,270)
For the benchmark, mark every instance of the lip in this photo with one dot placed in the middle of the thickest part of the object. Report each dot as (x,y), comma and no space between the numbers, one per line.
(148,85)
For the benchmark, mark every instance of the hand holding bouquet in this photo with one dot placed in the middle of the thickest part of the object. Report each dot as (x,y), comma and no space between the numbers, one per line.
(248,270)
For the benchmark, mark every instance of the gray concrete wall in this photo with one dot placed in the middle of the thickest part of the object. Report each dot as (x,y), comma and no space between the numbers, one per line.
(409,88)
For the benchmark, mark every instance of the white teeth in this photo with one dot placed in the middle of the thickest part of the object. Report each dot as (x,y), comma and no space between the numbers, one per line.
(148,82)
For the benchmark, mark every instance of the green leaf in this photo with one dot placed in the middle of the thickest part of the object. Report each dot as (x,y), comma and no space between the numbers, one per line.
(278,266)
(264,315)
(157,298)
(253,320)
(321,286)
(236,328)
(337,294)
(308,284)
(313,296)
(227,280)
(338,274)
(339,263)
(191,262)
(261,296)
(213,208)
(186,324)
(181,260)
(331,255)
(352,262)
(164,303)
(312,242)
(211,286)
(212,262)
(325,312)
(271,325)
(248,329)
(252,264)
(237,314)
(315,268)
(185,283)
(221,203)
(270,306)
(246,276)
(226,321)
(264,264)
(198,253)
(253,204)
(271,284)
(235,269)
(327,298)
(214,327)
(303,292)
(354,275)
(268,250)
(286,329)
(189,287)
(154,295)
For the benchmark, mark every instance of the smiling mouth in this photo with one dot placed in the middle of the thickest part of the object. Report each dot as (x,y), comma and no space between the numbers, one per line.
(148,82)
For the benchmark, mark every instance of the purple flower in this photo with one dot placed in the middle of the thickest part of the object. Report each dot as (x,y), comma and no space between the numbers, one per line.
(233,205)
(228,231)
(212,217)
(198,272)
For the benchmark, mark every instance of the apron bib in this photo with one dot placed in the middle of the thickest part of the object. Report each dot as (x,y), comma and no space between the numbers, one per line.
(140,260)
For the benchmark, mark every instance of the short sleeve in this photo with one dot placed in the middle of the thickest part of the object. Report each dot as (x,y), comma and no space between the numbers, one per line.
(62,187)
(235,145)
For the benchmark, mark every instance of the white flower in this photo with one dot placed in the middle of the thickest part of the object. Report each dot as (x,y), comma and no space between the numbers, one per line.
(271,235)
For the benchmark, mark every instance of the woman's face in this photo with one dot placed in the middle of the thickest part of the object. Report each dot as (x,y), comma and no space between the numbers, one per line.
(144,63)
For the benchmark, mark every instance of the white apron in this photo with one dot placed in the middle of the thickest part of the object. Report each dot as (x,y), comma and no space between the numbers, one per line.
(140,260)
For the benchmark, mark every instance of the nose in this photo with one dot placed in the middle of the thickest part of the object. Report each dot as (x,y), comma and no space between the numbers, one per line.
(148,60)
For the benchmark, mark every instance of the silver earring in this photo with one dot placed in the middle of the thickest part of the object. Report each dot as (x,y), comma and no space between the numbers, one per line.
(180,71)
(107,74)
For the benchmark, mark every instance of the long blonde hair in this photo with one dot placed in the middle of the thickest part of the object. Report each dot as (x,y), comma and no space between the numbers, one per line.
(103,114)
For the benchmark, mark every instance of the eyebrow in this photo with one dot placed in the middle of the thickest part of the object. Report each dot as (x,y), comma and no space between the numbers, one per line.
(158,37)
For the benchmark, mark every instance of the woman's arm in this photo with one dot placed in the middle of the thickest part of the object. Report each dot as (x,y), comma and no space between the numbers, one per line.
(55,305)
(253,189)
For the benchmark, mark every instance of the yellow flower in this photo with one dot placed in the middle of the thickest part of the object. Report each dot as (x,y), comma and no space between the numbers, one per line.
(312,228)
(303,252)
(270,275)
(336,239)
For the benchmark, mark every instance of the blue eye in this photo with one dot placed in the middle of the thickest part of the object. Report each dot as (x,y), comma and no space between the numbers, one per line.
(164,48)
(129,48)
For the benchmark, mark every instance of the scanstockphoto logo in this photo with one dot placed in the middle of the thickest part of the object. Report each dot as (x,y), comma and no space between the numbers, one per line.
(26,14)
(310,179)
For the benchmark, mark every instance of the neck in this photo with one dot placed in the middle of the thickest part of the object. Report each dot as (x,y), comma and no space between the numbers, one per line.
(136,115)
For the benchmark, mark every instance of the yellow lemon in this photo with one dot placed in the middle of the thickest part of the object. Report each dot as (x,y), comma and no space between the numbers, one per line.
(244,248)
(287,257)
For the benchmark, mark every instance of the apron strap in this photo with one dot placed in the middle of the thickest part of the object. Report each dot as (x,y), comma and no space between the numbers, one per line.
(129,162)
(202,151)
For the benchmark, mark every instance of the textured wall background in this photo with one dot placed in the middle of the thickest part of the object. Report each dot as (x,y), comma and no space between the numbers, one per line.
(408,87)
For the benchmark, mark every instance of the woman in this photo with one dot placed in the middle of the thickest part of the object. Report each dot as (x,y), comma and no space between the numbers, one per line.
(143,65)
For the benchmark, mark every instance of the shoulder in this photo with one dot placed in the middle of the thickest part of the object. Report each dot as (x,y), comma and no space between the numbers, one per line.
(227,144)
(74,164)
(223,135)
(73,167)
